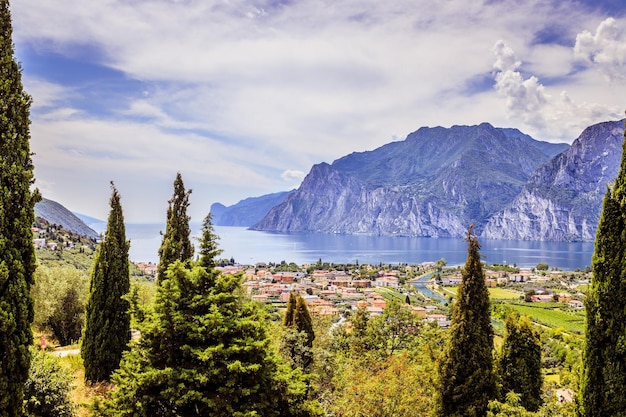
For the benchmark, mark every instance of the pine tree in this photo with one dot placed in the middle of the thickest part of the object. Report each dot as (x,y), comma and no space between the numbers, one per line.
(176,244)
(604,359)
(209,250)
(204,352)
(466,378)
(107,322)
(17,201)
(520,363)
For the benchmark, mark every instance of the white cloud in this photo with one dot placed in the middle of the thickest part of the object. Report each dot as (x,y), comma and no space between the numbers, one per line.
(527,100)
(605,49)
(292,175)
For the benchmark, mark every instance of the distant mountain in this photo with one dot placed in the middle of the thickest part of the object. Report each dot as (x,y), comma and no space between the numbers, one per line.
(246,212)
(563,199)
(55,213)
(88,220)
(435,183)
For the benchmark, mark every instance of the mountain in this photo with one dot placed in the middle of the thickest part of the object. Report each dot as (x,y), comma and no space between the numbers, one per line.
(435,183)
(55,213)
(563,199)
(246,212)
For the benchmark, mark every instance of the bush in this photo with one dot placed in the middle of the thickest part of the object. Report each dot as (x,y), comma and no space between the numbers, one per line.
(67,319)
(48,388)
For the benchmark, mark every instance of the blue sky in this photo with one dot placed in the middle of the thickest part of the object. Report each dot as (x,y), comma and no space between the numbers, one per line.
(243,97)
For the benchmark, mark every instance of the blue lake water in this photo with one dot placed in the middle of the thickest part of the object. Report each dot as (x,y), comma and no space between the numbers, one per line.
(249,247)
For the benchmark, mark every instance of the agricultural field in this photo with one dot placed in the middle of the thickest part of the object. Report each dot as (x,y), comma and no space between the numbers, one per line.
(552,315)
(503,294)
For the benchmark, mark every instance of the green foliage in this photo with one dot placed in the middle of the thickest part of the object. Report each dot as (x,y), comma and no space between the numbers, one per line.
(47,391)
(542,266)
(67,319)
(394,330)
(176,245)
(365,379)
(297,340)
(604,376)
(519,365)
(466,375)
(107,325)
(209,250)
(52,283)
(291,310)
(17,201)
(205,351)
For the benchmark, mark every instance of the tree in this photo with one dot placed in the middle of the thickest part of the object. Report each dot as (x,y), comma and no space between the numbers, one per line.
(209,250)
(48,388)
(17,201)
(107,323)
(604,359)
(520,362)
(205,351)
(466,378)
(67,319)
(291,310)
(176,244)
(297,341)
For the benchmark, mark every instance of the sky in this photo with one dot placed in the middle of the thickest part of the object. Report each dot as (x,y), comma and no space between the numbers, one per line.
(244,97)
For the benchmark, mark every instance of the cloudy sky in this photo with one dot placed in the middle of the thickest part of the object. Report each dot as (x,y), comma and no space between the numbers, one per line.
(243,97)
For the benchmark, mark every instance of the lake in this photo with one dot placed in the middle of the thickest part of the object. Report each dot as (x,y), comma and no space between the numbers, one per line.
(249,247)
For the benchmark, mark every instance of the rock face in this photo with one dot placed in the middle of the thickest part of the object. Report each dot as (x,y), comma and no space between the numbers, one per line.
(56,213)
(563,199)
(246,212)
(435,183)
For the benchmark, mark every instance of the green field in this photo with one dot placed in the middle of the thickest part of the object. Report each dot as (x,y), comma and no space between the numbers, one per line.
(548,315)
(502,294)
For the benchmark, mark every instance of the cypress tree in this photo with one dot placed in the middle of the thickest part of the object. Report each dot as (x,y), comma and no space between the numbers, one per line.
(209,250)
(520,363)
(303,322)
(466,378)
(604,358)
(176,244)
(17,253)
(107,323)
(297,340)
(291,310)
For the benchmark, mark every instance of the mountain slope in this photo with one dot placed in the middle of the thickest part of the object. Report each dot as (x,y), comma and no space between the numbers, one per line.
(563,199)
(435,183)
(246,212)
(55,213)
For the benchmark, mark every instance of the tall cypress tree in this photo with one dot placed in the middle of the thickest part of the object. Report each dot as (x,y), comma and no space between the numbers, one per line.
(520,363)
(209,250)
(604,358)
(176,244)
(466,378)
(17,254)
(291,310)
(107,325)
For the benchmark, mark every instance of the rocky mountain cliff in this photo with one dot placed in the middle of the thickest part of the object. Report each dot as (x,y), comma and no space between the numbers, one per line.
(562,201)
(56,213)
(434,183)
(246,212)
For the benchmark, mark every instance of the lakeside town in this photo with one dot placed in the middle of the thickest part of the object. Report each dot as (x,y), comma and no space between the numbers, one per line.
(429,287)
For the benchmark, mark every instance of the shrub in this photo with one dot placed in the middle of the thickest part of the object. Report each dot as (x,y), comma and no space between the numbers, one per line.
(48,387)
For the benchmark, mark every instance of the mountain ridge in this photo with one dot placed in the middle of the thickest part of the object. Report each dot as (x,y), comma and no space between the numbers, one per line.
(56,213)
(434,183)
